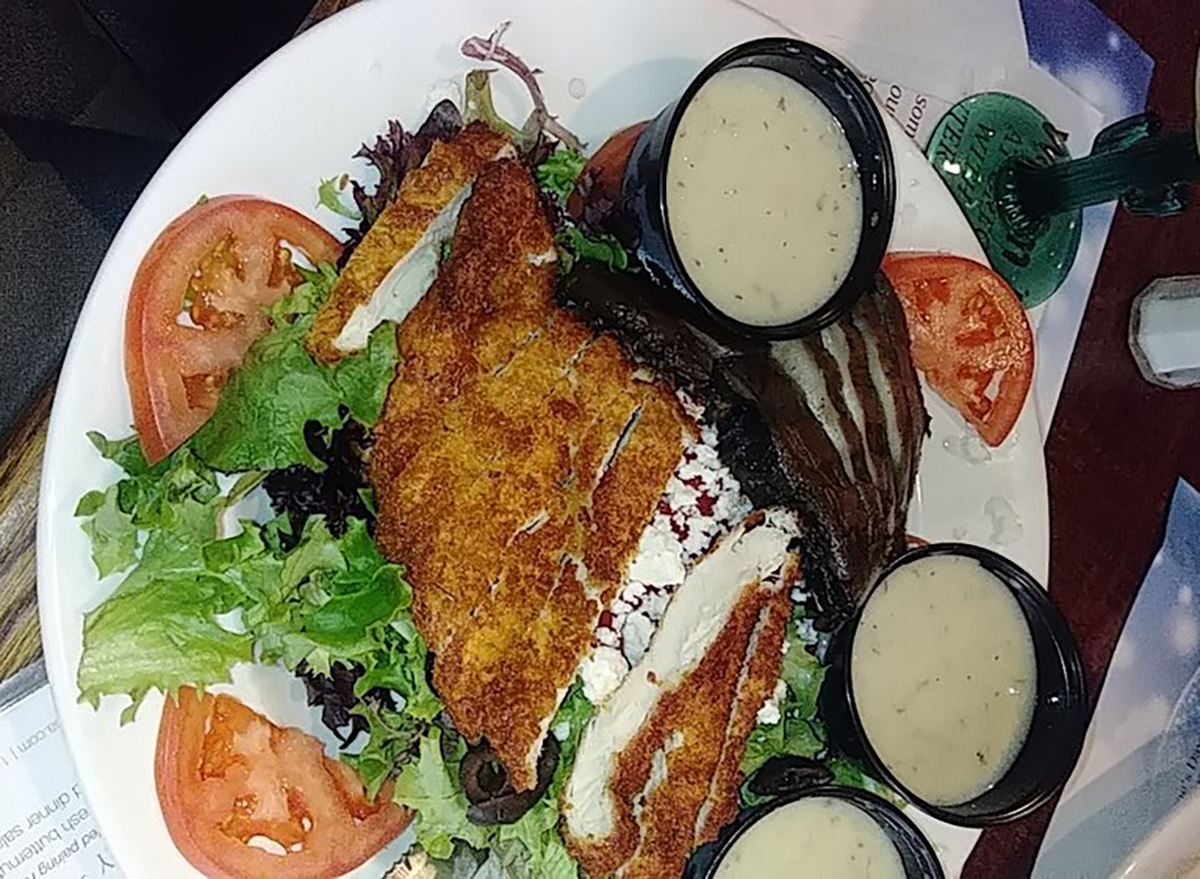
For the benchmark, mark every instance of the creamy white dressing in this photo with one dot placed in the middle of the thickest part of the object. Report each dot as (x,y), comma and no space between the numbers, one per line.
(764,200)
(944,677)
(818,837)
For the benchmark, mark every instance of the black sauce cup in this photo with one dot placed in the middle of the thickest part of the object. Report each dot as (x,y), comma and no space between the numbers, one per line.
(644,225)
(1060,714)
(916,854)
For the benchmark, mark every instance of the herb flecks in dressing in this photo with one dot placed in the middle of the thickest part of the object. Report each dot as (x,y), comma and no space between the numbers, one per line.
(831,838)
(944,677)
(763,197)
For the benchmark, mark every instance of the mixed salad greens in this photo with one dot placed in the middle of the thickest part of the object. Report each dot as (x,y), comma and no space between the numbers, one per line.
(308,588)
(162,525)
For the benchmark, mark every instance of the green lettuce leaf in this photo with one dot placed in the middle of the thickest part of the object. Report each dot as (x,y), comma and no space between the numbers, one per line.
(798,733)
(173,504)
(398,664)
(572,717)
(260,419)
(261,416)
(575,244)
(850,773)
(534,846)
(339,601)
(329,195)
(162,636)
(125,453)
(464,863)
(326,600)
(159,629)
(429,786)
(558,174)
(113,535)
(146,497)
(803,675)
(306,297)
(531,847)
(363,380)
(393,738)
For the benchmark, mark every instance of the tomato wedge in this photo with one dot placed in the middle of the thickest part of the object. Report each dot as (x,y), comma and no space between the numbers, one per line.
(600,181)
(226,775)
(198,303)
(970,337)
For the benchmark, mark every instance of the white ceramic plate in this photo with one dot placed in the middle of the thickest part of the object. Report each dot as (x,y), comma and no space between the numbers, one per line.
(295,120)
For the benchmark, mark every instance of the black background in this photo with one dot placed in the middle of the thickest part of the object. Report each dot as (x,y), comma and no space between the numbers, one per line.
(93,94)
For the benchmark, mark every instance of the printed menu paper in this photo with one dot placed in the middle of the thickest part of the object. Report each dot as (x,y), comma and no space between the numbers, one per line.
(46,827)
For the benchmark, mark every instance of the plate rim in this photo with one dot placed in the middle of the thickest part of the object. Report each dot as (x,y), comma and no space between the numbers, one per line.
(55,629)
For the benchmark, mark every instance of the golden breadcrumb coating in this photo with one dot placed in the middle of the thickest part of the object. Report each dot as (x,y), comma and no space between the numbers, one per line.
(697,735)
(424,193)
(495,473)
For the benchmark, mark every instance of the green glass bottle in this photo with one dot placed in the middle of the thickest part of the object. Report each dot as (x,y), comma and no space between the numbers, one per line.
(971,148)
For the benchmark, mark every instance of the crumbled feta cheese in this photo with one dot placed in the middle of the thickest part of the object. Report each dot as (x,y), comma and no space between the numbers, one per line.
(602,673)
(702,500)
(655,604)
(769,713)
(636,635)
(658,558)
(694,410)
(623,606)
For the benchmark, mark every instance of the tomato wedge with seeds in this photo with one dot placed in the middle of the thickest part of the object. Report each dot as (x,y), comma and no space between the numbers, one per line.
(198,303)
(227,776)
(970,337)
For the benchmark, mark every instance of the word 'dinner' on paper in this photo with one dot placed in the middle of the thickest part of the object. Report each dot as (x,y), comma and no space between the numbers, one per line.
(46,826)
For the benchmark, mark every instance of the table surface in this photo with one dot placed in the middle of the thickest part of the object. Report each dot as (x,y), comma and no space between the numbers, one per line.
(1115,449)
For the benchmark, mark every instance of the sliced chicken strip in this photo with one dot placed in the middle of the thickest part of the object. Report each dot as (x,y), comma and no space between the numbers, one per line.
(397,261)
(518,460)
(640,794)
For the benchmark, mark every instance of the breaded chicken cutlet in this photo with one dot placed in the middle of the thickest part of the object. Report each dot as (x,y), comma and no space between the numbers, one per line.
(519,459)
(397,260)
(657,770)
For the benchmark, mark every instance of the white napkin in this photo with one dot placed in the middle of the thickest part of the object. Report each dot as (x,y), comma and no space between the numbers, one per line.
(947,35)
